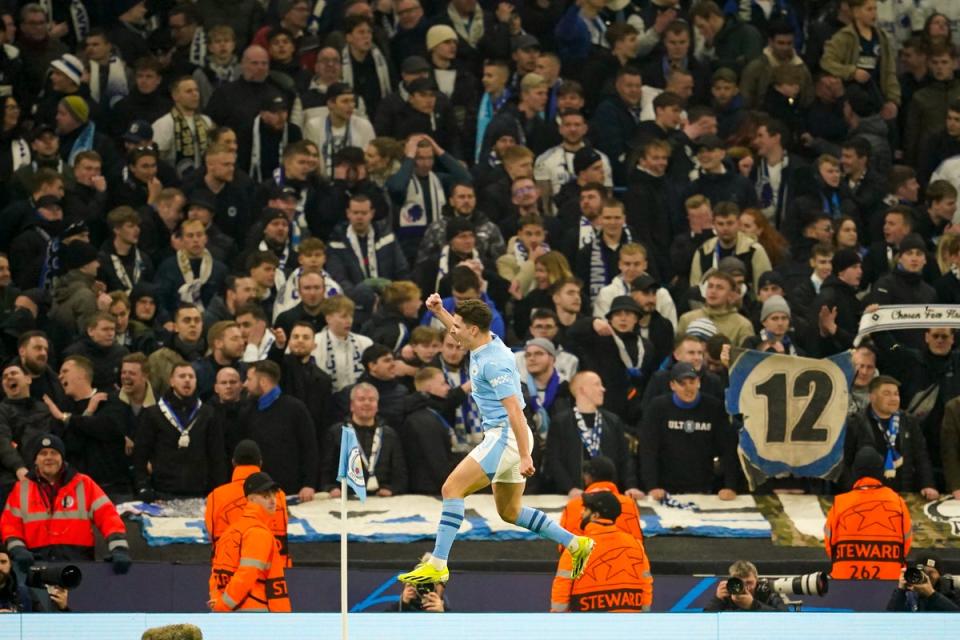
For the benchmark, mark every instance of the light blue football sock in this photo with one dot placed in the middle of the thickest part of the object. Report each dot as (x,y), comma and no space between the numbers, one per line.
(451,517)
(542,525)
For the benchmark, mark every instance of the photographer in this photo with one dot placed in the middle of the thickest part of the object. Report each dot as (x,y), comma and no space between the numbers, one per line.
(743,591)
(18,598)
(427,597)
(933,592)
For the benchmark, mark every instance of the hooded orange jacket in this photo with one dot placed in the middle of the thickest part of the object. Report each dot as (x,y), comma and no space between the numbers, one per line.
(867,534)
(225,505)
(247,570)
(617,577)
(629,520)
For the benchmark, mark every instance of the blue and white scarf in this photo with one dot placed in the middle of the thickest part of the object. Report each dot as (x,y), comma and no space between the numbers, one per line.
(488,109)
(541,409)
(599,269)
(590,437)
(891,429)
(466,419)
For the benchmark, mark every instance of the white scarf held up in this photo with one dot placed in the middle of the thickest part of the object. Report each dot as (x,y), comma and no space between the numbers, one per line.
(371,257)
(414,211)
(114,87)
(189,291)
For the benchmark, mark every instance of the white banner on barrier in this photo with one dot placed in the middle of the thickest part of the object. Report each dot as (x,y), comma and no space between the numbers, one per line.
(409,518)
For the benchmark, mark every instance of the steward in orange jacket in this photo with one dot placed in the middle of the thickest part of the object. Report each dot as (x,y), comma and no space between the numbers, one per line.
(617,577)
(52,511)
(247,570)
(226,503)
(628,521)
(867,534)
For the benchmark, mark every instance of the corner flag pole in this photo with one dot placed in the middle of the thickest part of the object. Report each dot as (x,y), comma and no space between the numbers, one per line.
(344,632)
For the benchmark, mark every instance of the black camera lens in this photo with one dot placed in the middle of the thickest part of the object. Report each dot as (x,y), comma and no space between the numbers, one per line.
(735,586)
(68,577)
(913,575)
(424,589)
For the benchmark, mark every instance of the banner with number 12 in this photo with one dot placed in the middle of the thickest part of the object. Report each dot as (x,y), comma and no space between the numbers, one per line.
(794,413)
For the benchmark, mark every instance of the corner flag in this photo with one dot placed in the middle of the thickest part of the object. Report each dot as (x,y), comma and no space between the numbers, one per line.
(351,467)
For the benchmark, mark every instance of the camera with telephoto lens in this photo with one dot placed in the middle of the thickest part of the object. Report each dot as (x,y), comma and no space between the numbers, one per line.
(424,589)
(914,575)
(66,577)
(735,586)
(809,584)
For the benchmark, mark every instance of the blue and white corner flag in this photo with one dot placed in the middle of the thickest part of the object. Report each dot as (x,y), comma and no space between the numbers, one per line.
(351,466)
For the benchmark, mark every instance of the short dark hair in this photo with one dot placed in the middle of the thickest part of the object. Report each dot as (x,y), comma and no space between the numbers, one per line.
(352,22)
(570,86)
(859,146)
(823,249)
(954,106)
(779,27)
(628,70)
(900,174)
(881,380)
(726,209)
(544,313)
(475,312)
(667,99)
(258,258)
(303,324)
(600,469)
(699,112)
(904,212)
(776,127)
(463,278)
(618,31)
(940,190)
(267,368)
(253,309)
(373,353)
(83,363)
(27,336)
(705,9)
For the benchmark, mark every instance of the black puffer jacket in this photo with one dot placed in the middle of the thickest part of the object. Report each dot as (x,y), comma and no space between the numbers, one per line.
(836,293)
(21,421)
(915,472)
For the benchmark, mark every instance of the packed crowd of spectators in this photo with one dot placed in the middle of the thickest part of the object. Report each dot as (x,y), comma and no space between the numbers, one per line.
(220,218)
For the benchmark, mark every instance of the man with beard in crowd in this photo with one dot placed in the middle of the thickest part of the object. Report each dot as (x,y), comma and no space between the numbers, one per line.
(283,428)
(226,349)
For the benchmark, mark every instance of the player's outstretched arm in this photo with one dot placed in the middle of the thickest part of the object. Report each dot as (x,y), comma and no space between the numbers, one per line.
(434,305)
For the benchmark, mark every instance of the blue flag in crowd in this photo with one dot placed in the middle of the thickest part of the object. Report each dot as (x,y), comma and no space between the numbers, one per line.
(351,465)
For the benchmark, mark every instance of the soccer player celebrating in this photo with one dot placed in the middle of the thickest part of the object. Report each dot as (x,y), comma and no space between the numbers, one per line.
(502,458)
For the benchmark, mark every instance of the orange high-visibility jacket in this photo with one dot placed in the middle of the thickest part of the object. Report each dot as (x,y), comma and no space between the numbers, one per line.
(66,524)
(247,570)
(617,577)
(629,520)
(225,505)
(867,534)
